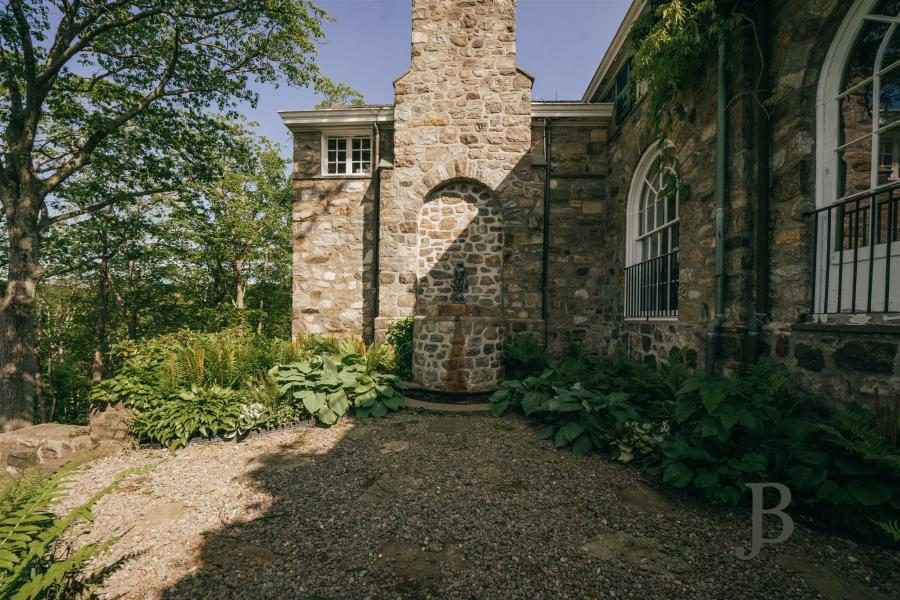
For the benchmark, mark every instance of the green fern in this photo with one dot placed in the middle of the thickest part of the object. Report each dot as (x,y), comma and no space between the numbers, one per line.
(31,563)
(891,528)
(851,430)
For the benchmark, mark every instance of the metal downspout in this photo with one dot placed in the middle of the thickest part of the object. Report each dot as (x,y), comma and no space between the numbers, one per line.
(715,325)
(545,238)
(761,225)
(376,224)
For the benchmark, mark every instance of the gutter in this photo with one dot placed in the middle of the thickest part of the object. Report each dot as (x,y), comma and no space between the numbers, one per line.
(761,220)
(715,325)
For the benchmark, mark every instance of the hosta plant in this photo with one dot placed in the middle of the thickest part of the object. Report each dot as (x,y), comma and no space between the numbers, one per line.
(326,387)
(572,416)
(205,412)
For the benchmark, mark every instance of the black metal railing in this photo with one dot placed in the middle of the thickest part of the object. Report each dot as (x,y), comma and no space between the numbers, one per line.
(651,287)
(857,254)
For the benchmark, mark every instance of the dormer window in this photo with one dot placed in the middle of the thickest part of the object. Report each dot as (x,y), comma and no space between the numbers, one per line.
(621,93)
(348,154)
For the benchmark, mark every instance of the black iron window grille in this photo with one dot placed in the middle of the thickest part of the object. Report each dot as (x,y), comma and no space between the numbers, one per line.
(651,287)
(857,254)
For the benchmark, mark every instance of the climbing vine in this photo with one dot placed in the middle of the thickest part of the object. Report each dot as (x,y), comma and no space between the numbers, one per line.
(673,44)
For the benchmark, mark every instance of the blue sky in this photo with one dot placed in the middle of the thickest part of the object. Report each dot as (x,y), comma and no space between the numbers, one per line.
(367,45)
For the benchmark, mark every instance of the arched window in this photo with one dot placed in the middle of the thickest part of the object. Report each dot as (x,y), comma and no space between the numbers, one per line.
(651,252)
(858,165)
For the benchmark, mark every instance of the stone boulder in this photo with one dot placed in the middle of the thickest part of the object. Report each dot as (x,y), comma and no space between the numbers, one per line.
(109,423)
(47,445)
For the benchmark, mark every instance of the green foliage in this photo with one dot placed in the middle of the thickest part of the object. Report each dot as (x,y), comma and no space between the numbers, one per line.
(590,403)
(207,412)
(524,355)
(673,44)
(400,336)
(713,435)
(154,369)
(325,386)
(226,384)
(730,432)
(337,94)
(381,357)
(890,528)
(35,562)
(314,344)
(853,471)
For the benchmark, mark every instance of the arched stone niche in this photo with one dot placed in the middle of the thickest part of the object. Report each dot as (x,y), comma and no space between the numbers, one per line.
(458,331)
(459,224)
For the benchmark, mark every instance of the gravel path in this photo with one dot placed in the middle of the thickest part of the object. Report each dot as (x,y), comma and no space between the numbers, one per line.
(428,506)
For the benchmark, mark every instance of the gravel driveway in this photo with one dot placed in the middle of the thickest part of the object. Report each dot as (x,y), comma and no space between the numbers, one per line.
(430,506)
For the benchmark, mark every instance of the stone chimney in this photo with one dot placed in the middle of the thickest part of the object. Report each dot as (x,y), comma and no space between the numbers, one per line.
(463,95)
(462,112)
(449,36)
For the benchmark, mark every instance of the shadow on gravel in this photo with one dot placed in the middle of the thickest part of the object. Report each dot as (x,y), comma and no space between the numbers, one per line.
(425,506)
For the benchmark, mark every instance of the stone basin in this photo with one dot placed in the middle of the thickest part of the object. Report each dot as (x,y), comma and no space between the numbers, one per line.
(458,348)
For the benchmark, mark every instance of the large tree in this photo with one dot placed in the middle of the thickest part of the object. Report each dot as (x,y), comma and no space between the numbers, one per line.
(76,74)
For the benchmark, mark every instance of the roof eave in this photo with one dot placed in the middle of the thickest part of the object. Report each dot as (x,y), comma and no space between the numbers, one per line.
(298,120)
(636,8)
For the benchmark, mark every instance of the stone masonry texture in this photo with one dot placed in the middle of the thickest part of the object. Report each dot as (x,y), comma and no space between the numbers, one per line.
(465,184)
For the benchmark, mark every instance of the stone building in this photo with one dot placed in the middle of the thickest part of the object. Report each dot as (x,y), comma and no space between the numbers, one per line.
(752,231)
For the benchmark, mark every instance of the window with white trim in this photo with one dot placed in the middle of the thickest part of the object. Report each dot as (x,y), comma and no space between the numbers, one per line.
(857,220)
(651,273)
(347,155)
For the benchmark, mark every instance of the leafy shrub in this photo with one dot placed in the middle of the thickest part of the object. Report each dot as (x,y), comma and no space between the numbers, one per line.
(400,336)
(191,384)
(743,429)
(854,472)
(313,344)
(381,357)
(730,432)
(326,386)
(589,402)
(713,435)
(152,370)
(206,412)
(34,561)
(524,355)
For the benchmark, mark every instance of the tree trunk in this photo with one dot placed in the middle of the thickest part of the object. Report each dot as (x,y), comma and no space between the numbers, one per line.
(240,286)
(39,389)
(260,288)
(132,302)
(18,367)
(102,320)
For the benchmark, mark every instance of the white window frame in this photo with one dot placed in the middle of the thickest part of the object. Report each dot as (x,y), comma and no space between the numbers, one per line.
(828,123)
(633,236)
(348,135)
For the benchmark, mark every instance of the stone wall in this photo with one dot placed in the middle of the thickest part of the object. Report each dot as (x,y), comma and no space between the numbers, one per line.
(462,112)
(458,350)
(839,360)
(827,358)
(580,210)
(693,144)
(332,254)
(460,224)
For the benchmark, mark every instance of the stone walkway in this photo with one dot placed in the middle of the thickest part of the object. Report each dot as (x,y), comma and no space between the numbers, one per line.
(431,506)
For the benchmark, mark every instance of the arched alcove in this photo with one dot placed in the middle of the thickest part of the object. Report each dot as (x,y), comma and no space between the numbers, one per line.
(458,331)
(459,225)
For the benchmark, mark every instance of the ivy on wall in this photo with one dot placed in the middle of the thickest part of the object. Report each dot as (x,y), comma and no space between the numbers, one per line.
(674,42)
